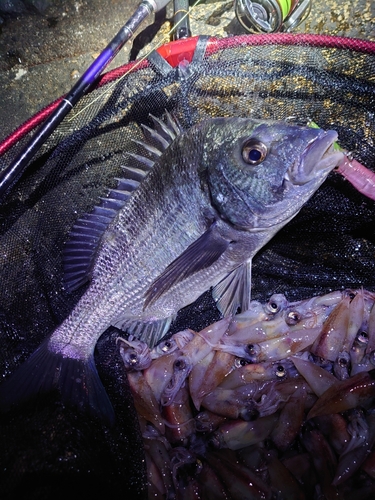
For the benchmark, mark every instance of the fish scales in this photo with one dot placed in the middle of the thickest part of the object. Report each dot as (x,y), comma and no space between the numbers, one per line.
(212,199)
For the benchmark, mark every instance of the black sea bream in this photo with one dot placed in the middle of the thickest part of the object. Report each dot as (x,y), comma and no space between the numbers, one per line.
(214,196)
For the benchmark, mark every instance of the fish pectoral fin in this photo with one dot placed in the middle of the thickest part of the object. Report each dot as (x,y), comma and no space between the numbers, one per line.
(234,291)
(200,255)
(148,331)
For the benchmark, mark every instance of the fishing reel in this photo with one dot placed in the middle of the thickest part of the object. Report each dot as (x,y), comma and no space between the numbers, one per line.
(269,16)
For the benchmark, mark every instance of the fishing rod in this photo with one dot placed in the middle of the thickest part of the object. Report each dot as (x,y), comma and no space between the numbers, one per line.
(12,173)
(181,20)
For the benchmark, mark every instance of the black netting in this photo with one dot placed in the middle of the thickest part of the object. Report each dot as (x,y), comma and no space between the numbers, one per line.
(330,245)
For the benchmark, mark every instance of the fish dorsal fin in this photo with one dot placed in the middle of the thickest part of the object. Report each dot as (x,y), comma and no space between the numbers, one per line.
(163,133)
(84,239)
(81,248)
(234,291)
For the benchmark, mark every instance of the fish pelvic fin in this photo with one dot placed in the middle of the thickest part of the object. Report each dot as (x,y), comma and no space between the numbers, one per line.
(77,381)
(234,291)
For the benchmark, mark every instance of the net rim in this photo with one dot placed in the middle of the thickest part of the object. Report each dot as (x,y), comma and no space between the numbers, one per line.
(174,52)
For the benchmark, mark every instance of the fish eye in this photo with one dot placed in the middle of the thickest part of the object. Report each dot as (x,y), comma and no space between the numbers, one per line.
(254,152)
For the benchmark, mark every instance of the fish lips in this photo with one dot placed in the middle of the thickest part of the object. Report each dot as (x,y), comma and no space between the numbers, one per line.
(318,158)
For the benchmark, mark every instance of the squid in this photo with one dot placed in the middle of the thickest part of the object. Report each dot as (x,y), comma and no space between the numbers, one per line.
(145,402)
(213,373)
(178,418)
(329,343)
(177,341)
(240,482)
(358,390)
(334,427)
(235,403)
(238,434)
(290,420)
(324,461)
(362,431)
(134,353)
(278,370)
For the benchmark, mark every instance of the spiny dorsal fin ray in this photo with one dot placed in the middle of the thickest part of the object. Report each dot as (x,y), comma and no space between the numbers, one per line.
(164,133)
(89,229)
(142,159)
(173,124)
(152,134)
(134,173)
(168,130)
(148,147)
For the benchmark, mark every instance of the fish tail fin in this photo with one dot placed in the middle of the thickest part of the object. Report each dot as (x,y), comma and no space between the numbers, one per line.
(77,381)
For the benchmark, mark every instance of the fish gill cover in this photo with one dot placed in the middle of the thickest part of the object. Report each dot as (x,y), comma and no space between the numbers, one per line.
(328,246)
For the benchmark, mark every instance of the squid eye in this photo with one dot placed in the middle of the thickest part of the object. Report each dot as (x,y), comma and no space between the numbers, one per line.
(280,371)
(166,346)
(276,303)
(362,337)
(238,362)
(292,318)
(254,152)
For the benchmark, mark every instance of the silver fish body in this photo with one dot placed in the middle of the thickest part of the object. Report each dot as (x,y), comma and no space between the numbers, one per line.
(212,199)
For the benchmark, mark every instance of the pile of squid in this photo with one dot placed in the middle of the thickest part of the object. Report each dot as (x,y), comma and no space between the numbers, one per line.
(277,402)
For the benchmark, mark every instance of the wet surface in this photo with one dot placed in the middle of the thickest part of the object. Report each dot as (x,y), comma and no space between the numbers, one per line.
(45,47)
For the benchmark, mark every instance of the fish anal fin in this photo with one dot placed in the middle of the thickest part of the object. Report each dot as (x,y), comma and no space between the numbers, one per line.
(77,381)
(201,254)
(234,291)
(148,331)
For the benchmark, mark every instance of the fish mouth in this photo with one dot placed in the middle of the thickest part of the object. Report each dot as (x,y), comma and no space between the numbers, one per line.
(304,177)
(318,158)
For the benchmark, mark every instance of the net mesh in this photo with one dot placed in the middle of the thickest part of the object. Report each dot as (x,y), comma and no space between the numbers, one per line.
(330,245)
